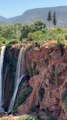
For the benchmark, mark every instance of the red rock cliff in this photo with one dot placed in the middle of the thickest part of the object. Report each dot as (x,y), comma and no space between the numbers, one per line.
(48,75)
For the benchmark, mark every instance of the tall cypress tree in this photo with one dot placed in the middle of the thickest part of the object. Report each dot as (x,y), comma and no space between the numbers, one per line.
(49,18)
(54,19)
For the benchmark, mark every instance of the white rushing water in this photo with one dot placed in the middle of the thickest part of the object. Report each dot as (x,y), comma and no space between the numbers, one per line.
(18,77)
(1,66)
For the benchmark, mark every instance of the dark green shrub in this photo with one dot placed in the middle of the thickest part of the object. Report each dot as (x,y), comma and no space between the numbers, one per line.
(33,71)
(38,117)
(26,92)
(46,62)
(49,115)
(54,74)
(21,99)
(64,99)
(64,96)
(41,93)
(60,44)
(34,109)
(65,37)
(39,25)
(30,71)
(37,44)
(3,41)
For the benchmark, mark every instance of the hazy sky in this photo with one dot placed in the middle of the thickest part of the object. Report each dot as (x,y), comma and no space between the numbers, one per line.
(10,8)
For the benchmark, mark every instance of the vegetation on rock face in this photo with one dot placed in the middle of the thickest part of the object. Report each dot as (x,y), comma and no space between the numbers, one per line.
(21,99)
(33,71)
(49,114)
(41,93)
(35,109)
(60,44)
(64,99)
(54,75)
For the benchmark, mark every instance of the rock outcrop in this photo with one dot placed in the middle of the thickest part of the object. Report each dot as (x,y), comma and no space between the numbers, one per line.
(47,69)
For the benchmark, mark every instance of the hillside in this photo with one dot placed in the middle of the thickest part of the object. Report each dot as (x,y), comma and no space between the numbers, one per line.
(3,20)
(32,15)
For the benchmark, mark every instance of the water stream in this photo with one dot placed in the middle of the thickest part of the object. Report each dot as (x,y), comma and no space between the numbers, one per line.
(19,76)
(1,67)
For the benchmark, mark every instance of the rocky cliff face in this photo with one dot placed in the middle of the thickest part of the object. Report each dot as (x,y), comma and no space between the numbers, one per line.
(47,68)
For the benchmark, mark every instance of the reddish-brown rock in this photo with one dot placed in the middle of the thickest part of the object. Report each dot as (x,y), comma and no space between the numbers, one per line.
(52,77)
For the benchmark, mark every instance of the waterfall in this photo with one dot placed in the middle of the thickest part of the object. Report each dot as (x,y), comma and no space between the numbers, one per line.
(1,67)
(19,76)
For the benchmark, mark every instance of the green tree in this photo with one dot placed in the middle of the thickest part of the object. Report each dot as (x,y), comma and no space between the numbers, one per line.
(49,18)
(54,19)
(24,32)
(39,25)
(7,32)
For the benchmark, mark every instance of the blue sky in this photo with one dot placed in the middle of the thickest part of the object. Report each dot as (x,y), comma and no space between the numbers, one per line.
(10,8)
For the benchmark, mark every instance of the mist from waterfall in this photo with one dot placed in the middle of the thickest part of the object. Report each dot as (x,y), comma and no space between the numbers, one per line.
(1,68)
(18,77)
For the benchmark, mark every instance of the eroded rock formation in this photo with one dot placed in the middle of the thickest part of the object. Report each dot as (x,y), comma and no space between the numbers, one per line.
(48,78)
(46,70)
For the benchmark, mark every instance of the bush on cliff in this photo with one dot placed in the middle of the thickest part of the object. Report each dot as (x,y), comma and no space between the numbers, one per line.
(50,115)
(33,71)
(41,93)
(60,44)
(64,99)
(21,99)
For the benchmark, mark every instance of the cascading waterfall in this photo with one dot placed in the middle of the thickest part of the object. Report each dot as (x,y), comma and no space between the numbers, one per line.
(19,76)
(1,67)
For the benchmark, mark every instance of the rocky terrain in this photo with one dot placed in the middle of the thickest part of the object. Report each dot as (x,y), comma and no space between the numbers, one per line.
(49,82)
(46,68)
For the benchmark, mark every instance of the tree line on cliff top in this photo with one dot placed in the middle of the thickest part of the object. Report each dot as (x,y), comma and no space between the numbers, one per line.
(37,32)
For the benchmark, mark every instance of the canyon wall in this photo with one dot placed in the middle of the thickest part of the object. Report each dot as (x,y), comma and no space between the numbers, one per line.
(47,68)
(46,82)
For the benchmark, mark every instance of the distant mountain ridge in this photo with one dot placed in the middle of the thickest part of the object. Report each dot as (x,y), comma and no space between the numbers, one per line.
(3,19)
(32,15)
